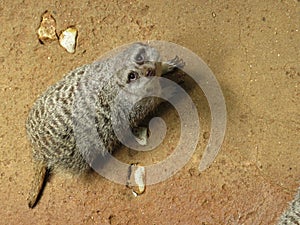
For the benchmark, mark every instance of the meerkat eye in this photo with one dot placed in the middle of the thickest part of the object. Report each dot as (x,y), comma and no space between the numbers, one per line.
(140,57)
(132,76)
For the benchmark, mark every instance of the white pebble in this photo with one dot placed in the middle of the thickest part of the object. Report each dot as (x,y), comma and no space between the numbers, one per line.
(67,39)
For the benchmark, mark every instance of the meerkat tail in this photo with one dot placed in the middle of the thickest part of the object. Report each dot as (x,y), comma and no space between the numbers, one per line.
(38,184)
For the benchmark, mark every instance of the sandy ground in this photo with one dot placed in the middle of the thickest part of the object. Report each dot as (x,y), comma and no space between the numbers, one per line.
(252,48)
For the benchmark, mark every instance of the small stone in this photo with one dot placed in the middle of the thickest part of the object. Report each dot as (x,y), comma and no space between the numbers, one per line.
(67,39)
(47,29)
(136,179)
(206,135)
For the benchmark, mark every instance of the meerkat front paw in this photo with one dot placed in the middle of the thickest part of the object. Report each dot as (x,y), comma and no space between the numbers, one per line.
(172,64)
(141,135)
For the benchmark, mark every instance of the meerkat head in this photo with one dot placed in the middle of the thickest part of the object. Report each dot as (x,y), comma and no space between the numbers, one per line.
(141,63)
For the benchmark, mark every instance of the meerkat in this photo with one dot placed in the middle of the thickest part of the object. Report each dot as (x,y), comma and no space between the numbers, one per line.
(50,124)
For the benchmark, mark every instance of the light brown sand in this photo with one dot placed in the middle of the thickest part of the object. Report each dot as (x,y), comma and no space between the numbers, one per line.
(252,48)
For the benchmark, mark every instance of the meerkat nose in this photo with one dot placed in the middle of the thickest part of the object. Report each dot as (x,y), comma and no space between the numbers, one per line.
(150,73)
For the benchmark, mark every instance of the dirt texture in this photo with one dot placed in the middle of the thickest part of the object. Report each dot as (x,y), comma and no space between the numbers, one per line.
(253,49)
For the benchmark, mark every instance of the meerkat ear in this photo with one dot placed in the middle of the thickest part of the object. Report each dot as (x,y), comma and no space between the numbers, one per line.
(139,58)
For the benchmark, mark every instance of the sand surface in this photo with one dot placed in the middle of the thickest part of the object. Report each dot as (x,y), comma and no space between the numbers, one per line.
(252,48)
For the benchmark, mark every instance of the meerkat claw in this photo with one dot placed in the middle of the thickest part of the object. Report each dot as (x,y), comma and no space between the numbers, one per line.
(171,65)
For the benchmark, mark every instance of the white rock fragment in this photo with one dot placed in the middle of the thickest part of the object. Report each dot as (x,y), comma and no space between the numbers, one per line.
(141,135)
(67,39)
(136,179)
(47,30)
(139,177)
